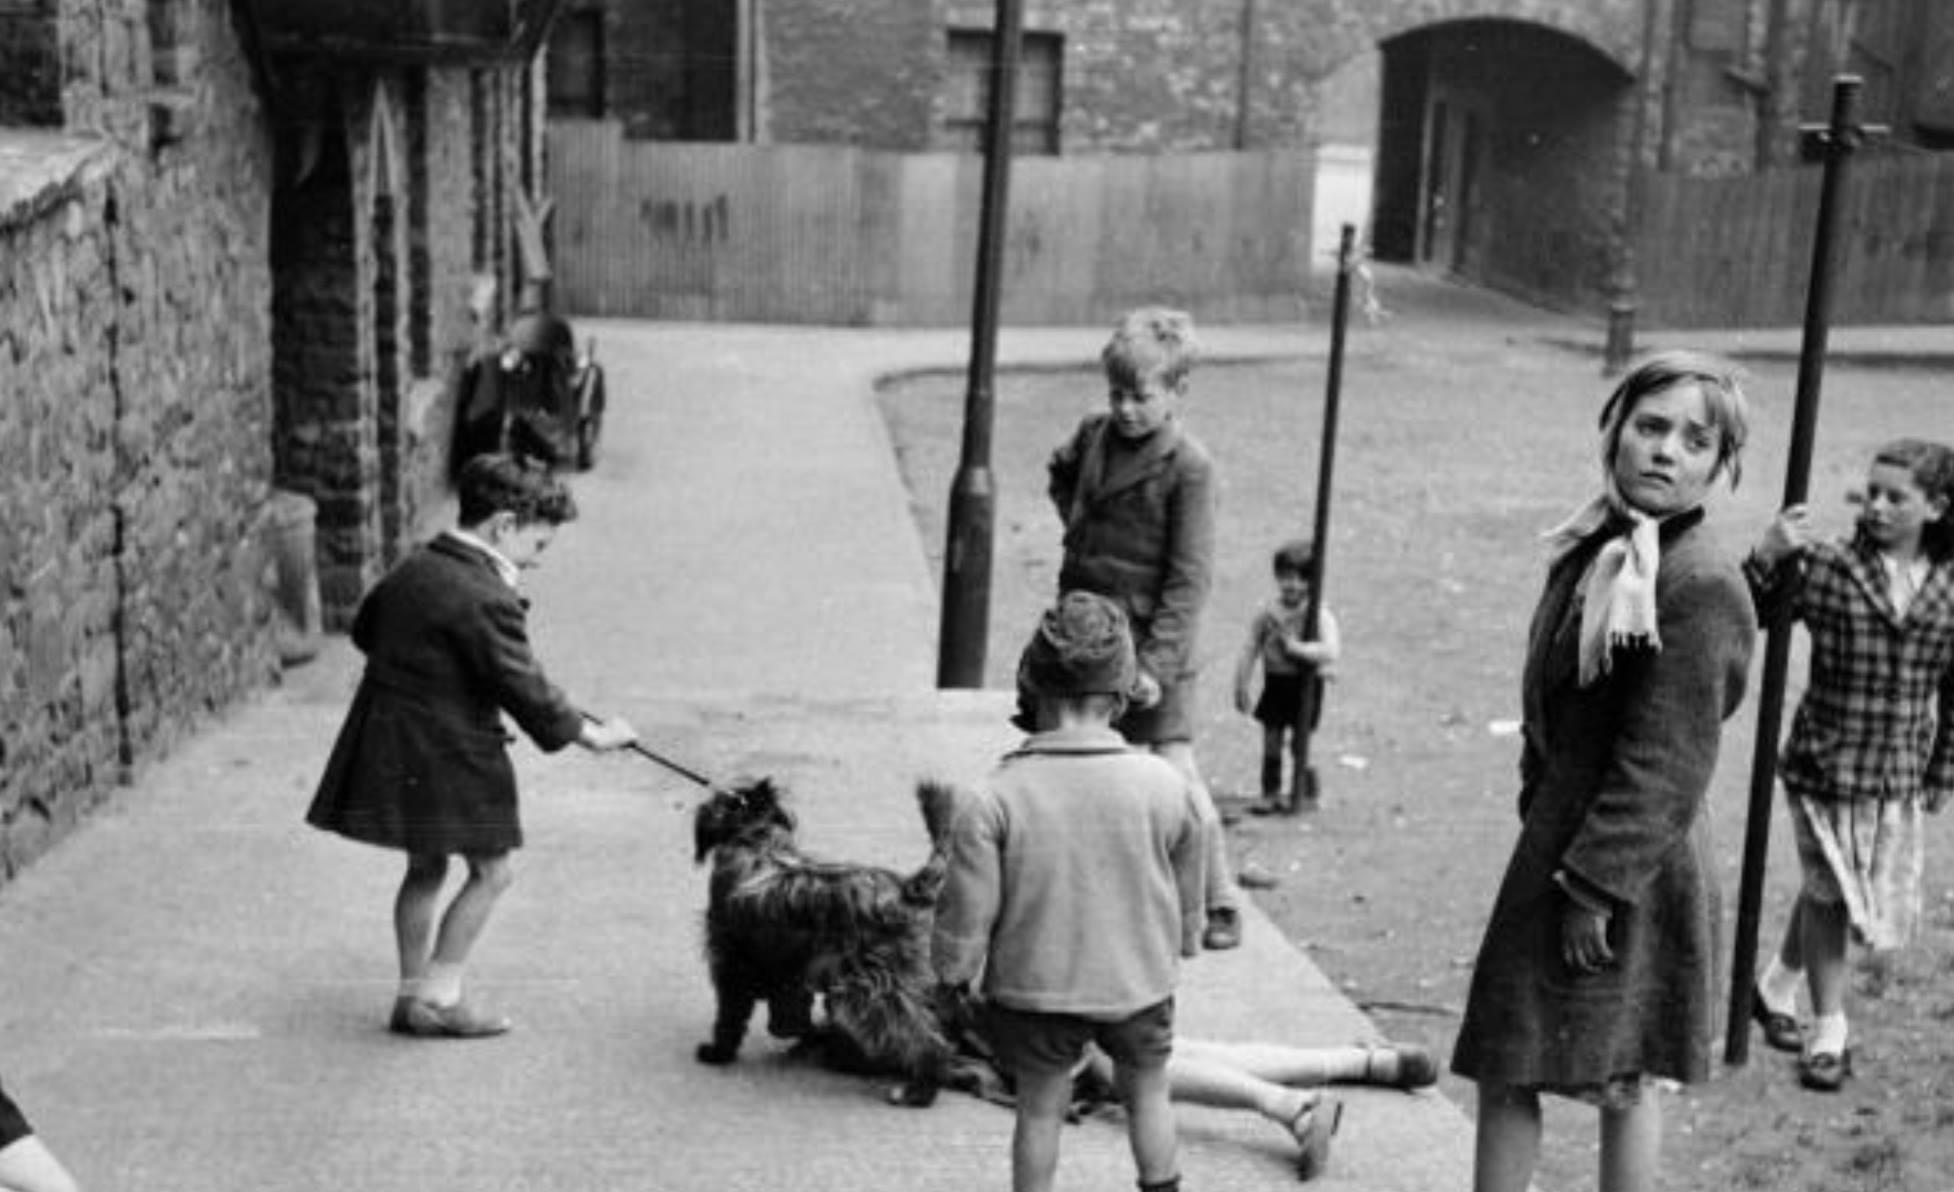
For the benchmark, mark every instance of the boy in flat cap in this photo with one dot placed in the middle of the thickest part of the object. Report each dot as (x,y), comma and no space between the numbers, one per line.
(1075,887)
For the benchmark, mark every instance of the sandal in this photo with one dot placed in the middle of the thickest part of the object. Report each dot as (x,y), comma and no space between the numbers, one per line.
(1780,1030)
(1825,1071)
(1415,1067)
(1313,1128)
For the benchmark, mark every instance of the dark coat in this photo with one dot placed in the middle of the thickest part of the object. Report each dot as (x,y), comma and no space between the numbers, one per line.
(422,762)
(1139,529)
(1613,782)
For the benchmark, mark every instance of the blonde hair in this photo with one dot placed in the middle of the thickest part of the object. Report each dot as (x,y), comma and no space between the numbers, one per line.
(1149,338)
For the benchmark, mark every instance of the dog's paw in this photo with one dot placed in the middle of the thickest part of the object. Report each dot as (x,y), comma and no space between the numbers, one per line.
(714,1054)
(913,1094)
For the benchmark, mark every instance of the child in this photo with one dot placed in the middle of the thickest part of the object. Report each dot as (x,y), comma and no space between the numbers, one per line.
(1136,495)
(421,764)
(1595,978)
(1872,743)
(1294,662)
(1074,886)
(26,1164)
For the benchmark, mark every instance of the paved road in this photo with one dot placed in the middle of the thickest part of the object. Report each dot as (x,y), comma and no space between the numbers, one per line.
(192,988)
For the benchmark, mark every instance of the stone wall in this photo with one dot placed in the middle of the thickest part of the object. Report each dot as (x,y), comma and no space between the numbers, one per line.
(134,448)
(405,205)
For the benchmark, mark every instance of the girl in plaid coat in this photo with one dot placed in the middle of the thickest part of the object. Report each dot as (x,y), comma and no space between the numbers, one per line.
(1872,744)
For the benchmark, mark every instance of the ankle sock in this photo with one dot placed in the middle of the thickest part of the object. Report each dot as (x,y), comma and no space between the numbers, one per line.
(442,985)
(1780,986)
(1828,1034)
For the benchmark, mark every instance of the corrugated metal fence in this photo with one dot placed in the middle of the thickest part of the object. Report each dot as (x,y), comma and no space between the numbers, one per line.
(1736,252)
(833,234)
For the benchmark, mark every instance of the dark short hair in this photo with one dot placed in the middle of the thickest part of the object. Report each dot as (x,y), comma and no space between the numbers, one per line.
(496,483)
(1932,467)
(1294,557)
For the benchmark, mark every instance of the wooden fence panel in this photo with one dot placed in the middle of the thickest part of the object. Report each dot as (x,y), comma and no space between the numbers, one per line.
(1736,252)
(835,234)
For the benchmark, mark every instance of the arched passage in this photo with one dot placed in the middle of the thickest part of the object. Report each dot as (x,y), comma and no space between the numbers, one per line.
(1501,157)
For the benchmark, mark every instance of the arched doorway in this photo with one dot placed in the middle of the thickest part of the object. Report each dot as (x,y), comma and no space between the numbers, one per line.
(1500,157)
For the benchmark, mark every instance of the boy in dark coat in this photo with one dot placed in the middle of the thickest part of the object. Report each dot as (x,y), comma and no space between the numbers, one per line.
(421,764)
(1136,494)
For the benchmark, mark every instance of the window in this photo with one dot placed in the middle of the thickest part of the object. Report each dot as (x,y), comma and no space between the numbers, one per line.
(30,63)
(1034,124)
(576,66)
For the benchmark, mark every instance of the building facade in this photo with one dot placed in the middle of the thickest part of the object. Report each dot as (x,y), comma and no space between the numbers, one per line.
(1503,132)
(236,256)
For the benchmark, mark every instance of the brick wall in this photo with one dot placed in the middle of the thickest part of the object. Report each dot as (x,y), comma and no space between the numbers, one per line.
(859,72)
(134,447)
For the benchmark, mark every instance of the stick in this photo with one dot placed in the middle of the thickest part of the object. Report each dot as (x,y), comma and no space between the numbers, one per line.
(1841,138)
(1305,787)
(641,750)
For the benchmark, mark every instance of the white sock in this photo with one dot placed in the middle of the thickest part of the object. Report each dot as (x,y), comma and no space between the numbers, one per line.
(1780,986)
(1828,1034)
(409,987)
(442,985)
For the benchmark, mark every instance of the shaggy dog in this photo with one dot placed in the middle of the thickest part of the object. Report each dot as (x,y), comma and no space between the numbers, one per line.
(783,927)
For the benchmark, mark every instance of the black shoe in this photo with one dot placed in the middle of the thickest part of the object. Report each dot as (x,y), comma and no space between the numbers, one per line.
(1825,1071)
(1780,1030)
(1224,929)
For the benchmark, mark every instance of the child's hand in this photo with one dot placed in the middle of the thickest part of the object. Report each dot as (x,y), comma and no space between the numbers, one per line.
(1789,533)
(1242,702)
(615,733)
(1295,647)
(1146,691)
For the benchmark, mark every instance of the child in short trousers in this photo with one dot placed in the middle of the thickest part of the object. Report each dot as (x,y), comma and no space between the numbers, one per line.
(1295,663)
(421,763)
(1074,887)
(1136,495)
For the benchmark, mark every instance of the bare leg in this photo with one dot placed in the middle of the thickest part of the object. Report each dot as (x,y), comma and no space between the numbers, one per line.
(1631,1146)
(1823,940)
(26,1165)
(1272,754)
(1791,953)
(1506,1140)
(1150,1123)
(489,875)
(1297,1067)
(1042,1101)
(415,910)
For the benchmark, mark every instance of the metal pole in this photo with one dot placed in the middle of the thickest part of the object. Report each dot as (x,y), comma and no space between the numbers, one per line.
(1619,346)
(1306,790)
(965,623)
(1841,137)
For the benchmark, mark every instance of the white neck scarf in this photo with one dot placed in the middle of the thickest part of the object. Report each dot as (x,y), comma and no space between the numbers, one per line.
(1618,591)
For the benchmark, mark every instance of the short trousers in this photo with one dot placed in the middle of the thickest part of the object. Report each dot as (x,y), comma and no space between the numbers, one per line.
(13,1123)
(1036,1041)
(1282,701)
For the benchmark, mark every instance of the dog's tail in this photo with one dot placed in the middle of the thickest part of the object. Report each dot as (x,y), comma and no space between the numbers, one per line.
(939,801)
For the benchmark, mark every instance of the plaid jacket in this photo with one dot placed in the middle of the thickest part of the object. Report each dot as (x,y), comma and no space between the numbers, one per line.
(1875,719)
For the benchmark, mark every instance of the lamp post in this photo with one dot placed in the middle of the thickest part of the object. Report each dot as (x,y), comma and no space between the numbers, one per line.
(965,624)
